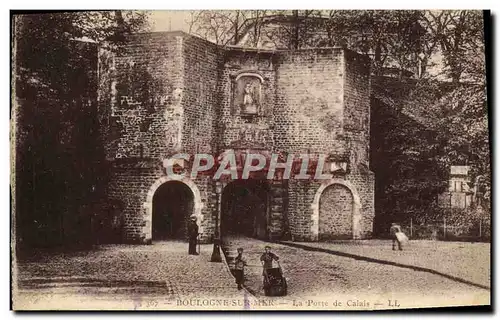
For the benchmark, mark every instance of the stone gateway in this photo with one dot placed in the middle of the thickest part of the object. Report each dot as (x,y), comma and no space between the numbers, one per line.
(191,96)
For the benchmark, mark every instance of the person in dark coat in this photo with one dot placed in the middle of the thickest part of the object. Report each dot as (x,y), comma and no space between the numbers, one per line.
(192,235)
(395,228)
(267,259)
(239,269)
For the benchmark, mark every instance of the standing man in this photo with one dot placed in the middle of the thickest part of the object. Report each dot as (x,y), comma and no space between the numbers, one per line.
(267,259)
(192,235)
(394,230)
(239,269)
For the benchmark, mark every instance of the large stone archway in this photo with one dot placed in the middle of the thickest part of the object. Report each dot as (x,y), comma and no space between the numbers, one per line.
(244,209)
(172,207)
(148,205)
(356,207)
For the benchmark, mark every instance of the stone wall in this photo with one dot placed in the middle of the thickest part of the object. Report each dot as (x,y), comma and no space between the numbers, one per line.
(201,102)
(322,107)
(142,79)
(309,107)
(357,130)
(158,97)
(233,125)
(166,93)
(201,97)
(335,213)
(138,86)
(129,185)
(301,195)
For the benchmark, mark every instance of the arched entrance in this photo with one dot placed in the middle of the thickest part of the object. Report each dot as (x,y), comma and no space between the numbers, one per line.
(173,204)
(245,209)
(148,204)
(336,211)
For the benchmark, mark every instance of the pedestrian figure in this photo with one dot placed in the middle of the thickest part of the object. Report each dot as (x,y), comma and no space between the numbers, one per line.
(239,269)
(267,259)
(397,236)
(192,235)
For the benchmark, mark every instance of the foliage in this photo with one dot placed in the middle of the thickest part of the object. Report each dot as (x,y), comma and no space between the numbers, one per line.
(419,132)
(391,38)
(459,34)
(403,157)
(421,124)
(407,40)
(44,42)
(462,119)
(387,36)
(60,172)
(227,27)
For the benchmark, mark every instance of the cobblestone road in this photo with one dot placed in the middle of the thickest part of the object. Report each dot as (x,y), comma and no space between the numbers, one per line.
(126,277)
(163,276)
(464,260)
(317,277)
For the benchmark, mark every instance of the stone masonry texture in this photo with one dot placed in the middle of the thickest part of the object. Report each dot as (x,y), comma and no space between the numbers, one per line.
(335,212)
(169,92)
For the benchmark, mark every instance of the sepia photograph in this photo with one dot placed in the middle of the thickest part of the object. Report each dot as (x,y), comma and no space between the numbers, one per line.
(250,160)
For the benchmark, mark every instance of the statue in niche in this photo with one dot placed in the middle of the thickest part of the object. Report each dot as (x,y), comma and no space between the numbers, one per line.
(249,106)
(247,95)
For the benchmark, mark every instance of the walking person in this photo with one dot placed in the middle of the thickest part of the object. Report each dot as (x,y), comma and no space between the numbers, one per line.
(267,259)
(192,235)
(397,236)
(239,268)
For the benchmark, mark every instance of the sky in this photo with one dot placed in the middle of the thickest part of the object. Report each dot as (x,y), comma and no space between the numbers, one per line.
(170,20)
(178,20)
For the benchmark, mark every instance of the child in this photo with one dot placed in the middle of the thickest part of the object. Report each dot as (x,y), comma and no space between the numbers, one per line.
(239,266)
(397,236)
(267,259)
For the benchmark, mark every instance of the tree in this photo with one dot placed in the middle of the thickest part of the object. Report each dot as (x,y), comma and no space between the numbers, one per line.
(218,26)
(43,41)
(451,114)
(404,154)
(462,112)
(460,37)
(462,119)
(299,28)
(227,27)
(60,167)
(392,38)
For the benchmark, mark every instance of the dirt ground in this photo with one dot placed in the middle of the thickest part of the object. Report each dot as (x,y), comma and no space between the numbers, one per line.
(369,271)
(348,275)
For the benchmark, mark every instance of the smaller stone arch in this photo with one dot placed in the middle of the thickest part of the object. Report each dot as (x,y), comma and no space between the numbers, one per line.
(148,205)
(356,214)
(249,74)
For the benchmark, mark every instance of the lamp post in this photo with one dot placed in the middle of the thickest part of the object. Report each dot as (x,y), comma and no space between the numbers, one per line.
(216,257)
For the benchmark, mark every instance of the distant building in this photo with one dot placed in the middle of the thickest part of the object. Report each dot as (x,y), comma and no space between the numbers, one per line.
(459,194)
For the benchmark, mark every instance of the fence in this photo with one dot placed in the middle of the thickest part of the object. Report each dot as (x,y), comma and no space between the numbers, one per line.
(476,230)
